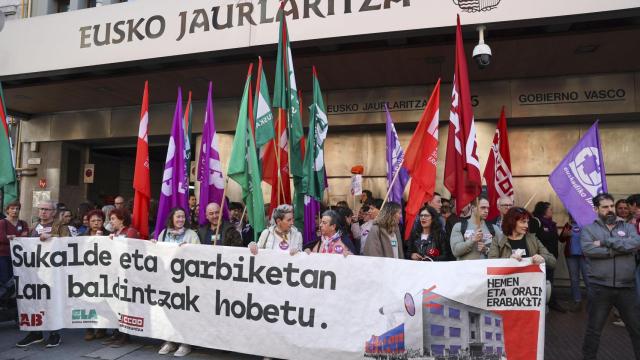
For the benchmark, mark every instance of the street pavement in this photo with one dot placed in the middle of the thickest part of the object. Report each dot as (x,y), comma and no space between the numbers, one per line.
(563,341)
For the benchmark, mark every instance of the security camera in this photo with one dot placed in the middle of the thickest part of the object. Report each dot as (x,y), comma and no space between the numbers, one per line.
(482,51)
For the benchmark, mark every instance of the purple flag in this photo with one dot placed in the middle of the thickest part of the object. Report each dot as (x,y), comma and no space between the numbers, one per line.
(175,183)
(312,209)
(580,177)
(394,160)
(209,166)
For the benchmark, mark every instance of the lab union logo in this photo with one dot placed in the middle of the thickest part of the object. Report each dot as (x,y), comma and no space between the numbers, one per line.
(84,316)
(477,5)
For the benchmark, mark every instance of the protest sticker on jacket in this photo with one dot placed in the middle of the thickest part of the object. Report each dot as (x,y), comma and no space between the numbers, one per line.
(295,307)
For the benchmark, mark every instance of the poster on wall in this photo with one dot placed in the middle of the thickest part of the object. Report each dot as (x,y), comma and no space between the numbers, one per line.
(303,306)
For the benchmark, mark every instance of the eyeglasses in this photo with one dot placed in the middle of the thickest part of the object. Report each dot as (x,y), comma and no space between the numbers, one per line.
(506,205)
(45,209)
(425,216)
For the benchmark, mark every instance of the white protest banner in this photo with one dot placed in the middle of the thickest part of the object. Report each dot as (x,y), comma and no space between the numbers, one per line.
(273,304)
(356,185)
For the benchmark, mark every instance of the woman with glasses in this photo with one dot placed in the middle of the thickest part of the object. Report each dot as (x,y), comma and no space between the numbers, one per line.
(428,242)
(517,243)
(281,235)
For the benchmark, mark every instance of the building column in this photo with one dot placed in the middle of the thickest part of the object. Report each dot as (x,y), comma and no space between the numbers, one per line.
(77,4)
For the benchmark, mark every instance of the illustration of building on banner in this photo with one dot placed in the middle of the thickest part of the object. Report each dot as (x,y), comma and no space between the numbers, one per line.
(454,330)
(390,343)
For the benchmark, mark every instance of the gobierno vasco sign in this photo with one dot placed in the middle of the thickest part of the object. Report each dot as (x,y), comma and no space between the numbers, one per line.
(149,29)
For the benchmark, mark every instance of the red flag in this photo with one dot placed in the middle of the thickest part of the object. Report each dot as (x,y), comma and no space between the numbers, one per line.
(280,190)
(421,159)
(141,178)
(497,173)
(462,167)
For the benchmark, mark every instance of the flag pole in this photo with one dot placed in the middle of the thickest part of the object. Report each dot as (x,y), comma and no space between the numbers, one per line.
(395,177)
(224,195)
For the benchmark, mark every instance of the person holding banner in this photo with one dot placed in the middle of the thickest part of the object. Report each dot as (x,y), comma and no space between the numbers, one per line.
(120,221)
(332,240)
(517,243)
(218,231)
(96,224)
(471,238)
(429,241)
(10,227)
(281,235)
(176,232)
(45,229)
(609,246)
(384,239)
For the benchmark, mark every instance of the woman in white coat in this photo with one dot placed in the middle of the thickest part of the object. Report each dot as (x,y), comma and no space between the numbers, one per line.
(281,235)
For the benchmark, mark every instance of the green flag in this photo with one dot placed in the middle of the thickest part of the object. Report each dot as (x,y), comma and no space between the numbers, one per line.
(286,97)
(262,110)
(243,165)
(313,181)
(7,165)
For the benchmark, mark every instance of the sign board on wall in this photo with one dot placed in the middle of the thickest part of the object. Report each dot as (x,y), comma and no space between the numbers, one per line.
(148,29)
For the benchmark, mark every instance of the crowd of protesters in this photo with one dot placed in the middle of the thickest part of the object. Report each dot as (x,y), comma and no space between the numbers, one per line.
(604,254)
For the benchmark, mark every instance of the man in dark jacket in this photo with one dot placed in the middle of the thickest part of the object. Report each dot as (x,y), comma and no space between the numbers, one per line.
(218,231)
(609,246)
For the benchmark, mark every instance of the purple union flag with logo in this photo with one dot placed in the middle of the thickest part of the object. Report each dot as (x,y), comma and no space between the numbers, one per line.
(580,176)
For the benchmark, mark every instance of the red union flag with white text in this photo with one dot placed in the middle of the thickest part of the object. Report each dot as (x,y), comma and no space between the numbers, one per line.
(462,167)
(497,173)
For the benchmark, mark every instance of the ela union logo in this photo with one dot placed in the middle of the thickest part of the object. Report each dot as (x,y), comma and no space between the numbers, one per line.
(477,5)
(82,316)
(32,319)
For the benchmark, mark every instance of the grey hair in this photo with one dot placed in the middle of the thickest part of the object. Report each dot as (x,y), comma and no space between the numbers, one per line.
(107,210)
(335,217)
(280,212)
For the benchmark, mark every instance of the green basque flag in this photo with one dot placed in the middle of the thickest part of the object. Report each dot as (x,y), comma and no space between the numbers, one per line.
(8,180)
(313,183)
(243,165)
(262,110)
(286,97)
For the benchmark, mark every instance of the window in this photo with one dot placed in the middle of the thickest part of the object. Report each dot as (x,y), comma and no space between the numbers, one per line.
(499,351)
(454,332)
(435,308)
(498,337)
(487,320)
(454,349)
(488,335)
(498,322)
(488,349)
(437,330)
(454,313)
(63,5)
(437,349)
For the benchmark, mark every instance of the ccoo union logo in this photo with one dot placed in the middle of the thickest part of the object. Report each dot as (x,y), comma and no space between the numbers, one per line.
(477,5)
(129,322)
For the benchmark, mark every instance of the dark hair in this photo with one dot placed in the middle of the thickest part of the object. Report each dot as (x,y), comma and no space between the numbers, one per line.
(604,196)
(344,211)
(96,212)
(540,208)
(633,200)
(169,223)
(512,217)
(436,194)
(122,215)
(620,201)
(12,204)
(483,197)
(435,229)
(377,203)
(368,193)
(343,204)
(236,206)
(365,208)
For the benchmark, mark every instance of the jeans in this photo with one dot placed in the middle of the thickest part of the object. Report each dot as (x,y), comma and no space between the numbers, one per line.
(601,299)
(575,263)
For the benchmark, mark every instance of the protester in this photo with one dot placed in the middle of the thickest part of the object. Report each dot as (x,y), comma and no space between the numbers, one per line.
(193,212)
(10,227)
(281,235)
(452,220)
(470,238)
(436,202)
(367,195)
(609,246)
(45,229)
(96,224)
(516,242)
(384,239)
(504,203)
(119,202)
(371,211)
(65,217)
(633,202)
(85,224)
(332,241)
(106,211)
(342,204)
(346,224)
(176,232)
(429,241)
(120,221)
(570,236)
(547,232)
(218,231)
(235,215)
(622,210)
(445,210)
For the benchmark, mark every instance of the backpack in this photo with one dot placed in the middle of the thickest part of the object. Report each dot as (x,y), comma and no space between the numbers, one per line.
(465,222)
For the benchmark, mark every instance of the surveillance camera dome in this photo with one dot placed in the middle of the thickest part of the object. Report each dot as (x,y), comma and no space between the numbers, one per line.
(482,55)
